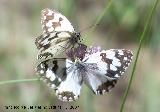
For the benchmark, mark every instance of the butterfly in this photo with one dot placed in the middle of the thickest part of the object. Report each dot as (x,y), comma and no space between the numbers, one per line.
(98,69)
(58,34)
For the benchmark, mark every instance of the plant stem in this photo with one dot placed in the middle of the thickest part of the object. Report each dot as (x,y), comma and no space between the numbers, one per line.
(17,81)
(97,21)
(108,4)
(137,54)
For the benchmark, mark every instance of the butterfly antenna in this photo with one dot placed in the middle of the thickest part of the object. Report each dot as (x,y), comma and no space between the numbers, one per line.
(89,27)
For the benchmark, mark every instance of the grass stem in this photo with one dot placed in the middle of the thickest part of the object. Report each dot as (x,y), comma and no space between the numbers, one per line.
(17,81)
(142,38)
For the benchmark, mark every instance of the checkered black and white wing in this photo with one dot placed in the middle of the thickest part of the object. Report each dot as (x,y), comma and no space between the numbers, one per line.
(52,71)
(96,80)
(113,63)
(69,89)
(52,20)
(58,34)
(105,67)
(62,76)
(52,44)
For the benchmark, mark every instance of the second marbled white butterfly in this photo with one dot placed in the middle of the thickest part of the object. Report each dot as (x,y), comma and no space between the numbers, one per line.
(98,69)
(58,34)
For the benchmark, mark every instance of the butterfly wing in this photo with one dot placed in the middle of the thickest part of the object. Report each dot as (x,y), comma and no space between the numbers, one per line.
(52,44)
(113,63)
(52,20)
(105,67)
(52,71)
(57,34)
(69,89)
(64,78)
(97,81)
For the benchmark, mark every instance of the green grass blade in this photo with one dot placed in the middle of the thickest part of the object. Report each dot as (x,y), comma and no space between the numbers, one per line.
(97,21)
(17,81)
(137,54)
(108,4)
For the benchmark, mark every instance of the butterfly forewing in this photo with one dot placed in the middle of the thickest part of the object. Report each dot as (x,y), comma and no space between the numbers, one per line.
(52,20)
(112,63)
(104,68)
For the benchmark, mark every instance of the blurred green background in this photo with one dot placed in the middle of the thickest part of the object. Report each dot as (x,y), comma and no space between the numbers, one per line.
(121,27)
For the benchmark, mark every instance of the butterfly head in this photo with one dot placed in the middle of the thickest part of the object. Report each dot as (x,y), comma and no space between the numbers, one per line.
(77,35)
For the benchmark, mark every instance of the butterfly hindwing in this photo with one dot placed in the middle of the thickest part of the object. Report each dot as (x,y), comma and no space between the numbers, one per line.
(69,89)
(52,44)
(52,71)
(62,76)
(97,82)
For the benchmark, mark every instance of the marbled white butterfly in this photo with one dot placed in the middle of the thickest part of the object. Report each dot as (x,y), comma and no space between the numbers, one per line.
(58,34)
(98,69)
